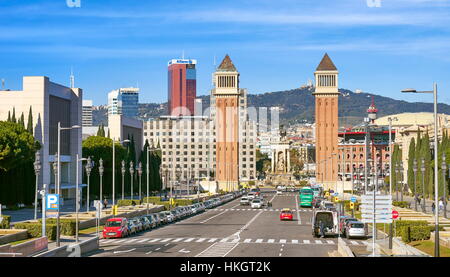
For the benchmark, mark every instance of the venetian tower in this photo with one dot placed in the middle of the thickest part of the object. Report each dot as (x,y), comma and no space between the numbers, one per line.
(326,117)
(226,92)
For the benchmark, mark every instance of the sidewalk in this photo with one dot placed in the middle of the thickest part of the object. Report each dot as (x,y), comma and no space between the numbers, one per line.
(428,203)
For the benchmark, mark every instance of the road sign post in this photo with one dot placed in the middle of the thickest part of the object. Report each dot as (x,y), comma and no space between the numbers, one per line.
(98,207)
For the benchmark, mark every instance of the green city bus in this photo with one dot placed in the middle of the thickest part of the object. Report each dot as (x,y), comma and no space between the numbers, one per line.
(306,197)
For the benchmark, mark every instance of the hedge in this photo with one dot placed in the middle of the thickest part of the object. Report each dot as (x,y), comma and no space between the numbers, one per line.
(401,204)
(67,226)
(5,224)
(128,202)
(178,202)
(35,229)
(414,233)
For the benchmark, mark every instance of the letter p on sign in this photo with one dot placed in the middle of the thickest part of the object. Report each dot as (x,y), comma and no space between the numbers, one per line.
(52,202)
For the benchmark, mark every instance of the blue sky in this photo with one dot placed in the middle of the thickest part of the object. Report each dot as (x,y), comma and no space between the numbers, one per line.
(276,45)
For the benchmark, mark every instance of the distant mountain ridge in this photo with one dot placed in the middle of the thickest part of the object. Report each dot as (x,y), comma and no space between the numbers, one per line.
(297,105)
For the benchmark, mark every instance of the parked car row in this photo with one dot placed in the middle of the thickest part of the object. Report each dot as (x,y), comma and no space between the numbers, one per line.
(120,227)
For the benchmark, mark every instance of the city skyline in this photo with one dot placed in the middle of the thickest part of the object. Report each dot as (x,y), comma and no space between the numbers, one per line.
(401,43)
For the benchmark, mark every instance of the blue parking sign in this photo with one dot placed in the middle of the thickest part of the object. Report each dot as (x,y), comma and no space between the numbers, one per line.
(353,199)
(52,202)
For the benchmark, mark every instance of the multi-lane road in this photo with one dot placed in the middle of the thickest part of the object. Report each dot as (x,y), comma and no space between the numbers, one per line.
(230,230)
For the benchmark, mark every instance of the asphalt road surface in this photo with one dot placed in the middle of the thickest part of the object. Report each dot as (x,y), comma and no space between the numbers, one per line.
(230,230)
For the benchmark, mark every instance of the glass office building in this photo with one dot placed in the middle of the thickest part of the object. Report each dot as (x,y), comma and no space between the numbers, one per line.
(124,101)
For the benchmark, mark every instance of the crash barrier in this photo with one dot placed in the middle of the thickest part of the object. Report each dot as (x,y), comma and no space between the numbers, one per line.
(72,250)
(26,249)
(343,249)
(10,235)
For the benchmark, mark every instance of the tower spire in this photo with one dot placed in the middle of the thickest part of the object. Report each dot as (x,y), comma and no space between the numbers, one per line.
(72,78)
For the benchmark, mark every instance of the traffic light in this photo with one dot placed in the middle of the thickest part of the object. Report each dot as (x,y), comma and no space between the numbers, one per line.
(352,205)
(336,199)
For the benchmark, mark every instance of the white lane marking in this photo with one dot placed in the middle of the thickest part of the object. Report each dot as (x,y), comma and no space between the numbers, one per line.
(184,251)
(154,240)
(353,242)
(166,240)
(247,240)
(318,241)
(143,240)
(124,251)
(107,241)
(200,239)
(177,240)
(149,252)
(212,240)
(259,240)
(270,241)
(298,213)
(131,240)
(189,239)
(282,241)
(330,242)
(306,241)
(206,220)
(157,248)
(246,225)
(166,244)
(224,240)
(295,241)
(279,255)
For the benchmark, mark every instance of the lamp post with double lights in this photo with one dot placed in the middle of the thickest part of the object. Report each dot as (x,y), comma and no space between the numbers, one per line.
(436,177)
(415,183)
(444,174)
(77,197)
(101,170)
(58,179)
(132,175)
(114,169)
(139,171)
(123,171)
(88,167)
(37,171)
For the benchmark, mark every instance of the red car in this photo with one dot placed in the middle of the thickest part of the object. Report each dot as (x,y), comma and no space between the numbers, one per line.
(286,214)
(115,228)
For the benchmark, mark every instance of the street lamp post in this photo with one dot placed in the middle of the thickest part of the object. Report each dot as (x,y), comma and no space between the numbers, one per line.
(132,175)
(139,171)
(114,169)
(178,175)
(37,171)
(436,177)
(123,170)
(366,152)
(402,183)
(101,170)
(444,173)
(77,197)
(88,168)
(422,169)
(58,181)
(415,183)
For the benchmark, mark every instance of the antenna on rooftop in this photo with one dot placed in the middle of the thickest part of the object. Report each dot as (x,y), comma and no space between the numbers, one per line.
(72,79)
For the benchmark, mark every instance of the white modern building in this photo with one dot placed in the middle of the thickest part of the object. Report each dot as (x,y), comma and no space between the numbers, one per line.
(87,113)
(124,101)
(51,103)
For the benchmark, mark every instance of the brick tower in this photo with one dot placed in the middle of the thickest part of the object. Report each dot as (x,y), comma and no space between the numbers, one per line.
(226,92)
(326,115)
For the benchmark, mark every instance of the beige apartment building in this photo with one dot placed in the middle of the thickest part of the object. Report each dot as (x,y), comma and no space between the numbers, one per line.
(51,103)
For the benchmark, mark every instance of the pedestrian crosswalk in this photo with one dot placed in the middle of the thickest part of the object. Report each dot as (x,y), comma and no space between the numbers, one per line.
(263,209)
(107,242)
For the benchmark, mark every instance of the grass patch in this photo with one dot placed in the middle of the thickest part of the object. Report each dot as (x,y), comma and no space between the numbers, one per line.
(91,230)
(427,246)
(21,241)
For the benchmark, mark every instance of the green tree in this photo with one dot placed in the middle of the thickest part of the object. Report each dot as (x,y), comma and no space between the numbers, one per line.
(411,157)
(13,118)
(9,117)
(426,153)
(16,145)
(98,147)
(101,131)
(30,121)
